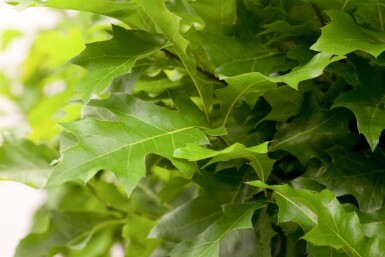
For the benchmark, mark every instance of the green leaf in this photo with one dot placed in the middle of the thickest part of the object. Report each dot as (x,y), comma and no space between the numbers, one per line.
(135,233)
(312,131)
(310,70)
(239,86)
(340,177)
(169,24)
(188,220)
(66,229)
(257,84)
(192,218)
(368,105)
(232,56)
(219,15)
(285,102)
(235,216)
(108,59)
(239,243)
(343,36)
(324,220)
(121,145)
(23,161)
(256,156)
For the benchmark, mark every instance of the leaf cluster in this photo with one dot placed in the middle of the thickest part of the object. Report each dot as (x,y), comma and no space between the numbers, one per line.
(212,128)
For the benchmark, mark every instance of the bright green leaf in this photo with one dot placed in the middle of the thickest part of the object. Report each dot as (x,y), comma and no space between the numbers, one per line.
(343,36)
(219,15)
(108,59)
(170,26)
(256,156)
(121,146)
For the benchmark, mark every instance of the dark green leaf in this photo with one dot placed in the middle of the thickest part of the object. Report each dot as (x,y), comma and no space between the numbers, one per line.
(368,105)
(352,173)
(312,131)
(235,216)
(324,220)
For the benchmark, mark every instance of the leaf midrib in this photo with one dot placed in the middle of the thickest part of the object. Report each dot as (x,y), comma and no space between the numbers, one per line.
(326,224)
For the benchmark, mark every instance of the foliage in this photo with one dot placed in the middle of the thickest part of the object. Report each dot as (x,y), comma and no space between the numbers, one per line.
(204,128)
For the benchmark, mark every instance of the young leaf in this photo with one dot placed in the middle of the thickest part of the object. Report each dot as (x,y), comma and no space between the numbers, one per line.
(312,131)
(256,155)
(108,59)
(343,36)
(235,216)
(25,162)
(121,146)
(324,220)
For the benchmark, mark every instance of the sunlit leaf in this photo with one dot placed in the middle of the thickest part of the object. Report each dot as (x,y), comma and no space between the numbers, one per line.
(255,155)
(101,143)
(343,36)
(108,59)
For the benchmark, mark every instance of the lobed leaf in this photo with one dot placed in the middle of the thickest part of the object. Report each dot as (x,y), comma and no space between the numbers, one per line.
(169,24)
(352,173)
(235,216)
(343,36)
(367,104)
(108,59)
(324,220)
(257,84)
(314,130)
(121,146)
(256,156)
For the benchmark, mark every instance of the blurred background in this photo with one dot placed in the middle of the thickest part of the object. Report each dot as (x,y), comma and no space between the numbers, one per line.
(17,201)
(36,85)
